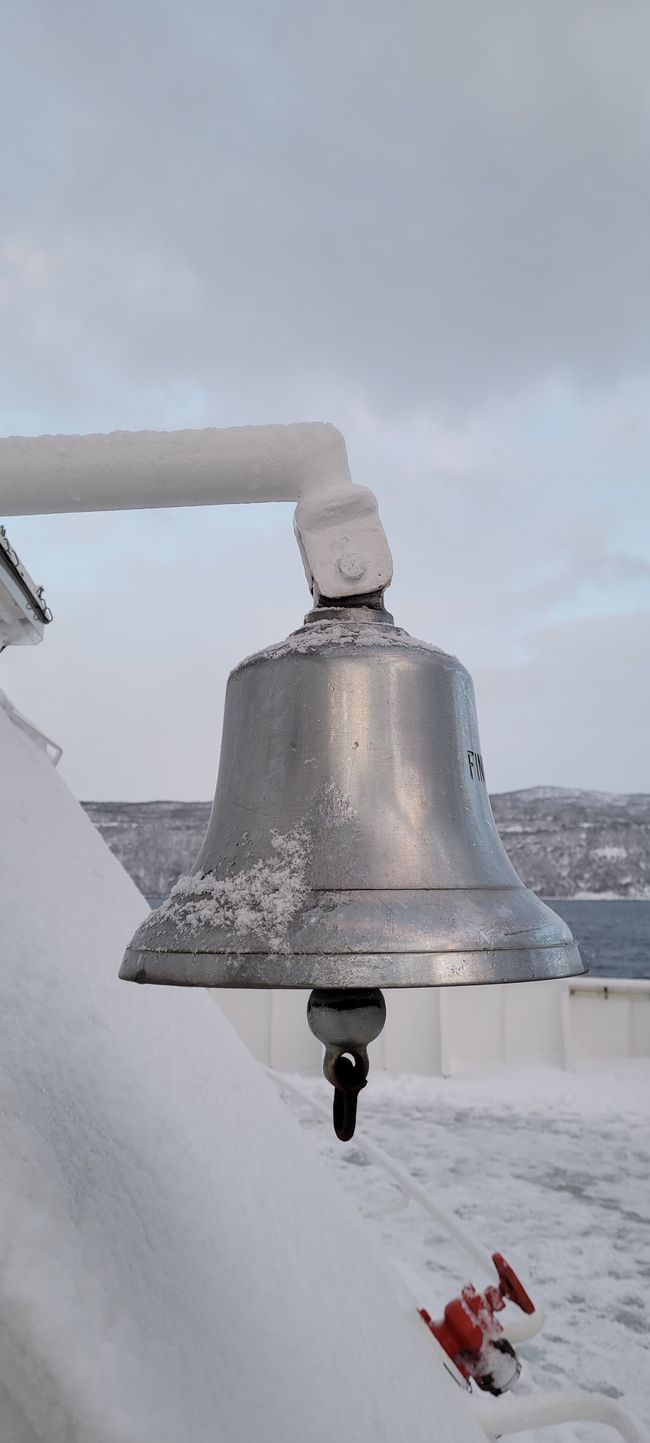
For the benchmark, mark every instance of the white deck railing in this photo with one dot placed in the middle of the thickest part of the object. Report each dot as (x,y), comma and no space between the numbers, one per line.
(448,1031)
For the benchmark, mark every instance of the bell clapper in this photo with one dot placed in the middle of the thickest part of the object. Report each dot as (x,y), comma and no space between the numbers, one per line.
(345,1020)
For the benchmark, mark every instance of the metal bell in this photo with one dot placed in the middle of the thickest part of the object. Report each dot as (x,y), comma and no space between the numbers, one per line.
(351,843)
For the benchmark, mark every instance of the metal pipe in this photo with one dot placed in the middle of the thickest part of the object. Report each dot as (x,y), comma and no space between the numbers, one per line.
(516,1329)
(41,475)
(439,1214)
(517,1415)
(342,542)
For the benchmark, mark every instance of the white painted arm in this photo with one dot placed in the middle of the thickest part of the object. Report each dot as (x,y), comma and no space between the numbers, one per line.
(343,545)
(500,1417)
(134,470)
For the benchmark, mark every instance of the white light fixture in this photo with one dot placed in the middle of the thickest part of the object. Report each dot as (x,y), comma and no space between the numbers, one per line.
(24,612)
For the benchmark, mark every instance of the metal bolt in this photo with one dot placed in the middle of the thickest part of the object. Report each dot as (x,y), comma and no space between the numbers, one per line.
(352,566)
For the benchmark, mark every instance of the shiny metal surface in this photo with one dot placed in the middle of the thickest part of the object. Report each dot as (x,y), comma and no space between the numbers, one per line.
(346,1020)
(351,841)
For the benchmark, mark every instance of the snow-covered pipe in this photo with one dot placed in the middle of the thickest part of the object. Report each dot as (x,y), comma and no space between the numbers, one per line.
(517,1330)
(131,470)
(502,1416)
(341,538)
(414,1189)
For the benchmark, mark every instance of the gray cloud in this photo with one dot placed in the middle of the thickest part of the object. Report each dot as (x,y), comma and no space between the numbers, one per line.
(434,203)
(425,221)
(576,712)
(536,587)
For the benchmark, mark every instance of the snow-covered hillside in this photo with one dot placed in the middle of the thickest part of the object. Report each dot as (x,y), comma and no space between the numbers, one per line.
(563,843)
(567,843)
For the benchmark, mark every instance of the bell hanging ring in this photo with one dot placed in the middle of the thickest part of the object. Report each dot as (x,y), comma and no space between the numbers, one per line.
(345,1020)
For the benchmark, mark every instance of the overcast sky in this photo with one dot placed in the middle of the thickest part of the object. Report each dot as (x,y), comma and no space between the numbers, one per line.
(425,220)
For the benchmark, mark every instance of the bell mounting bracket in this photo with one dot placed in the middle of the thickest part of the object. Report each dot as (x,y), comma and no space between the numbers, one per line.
(342,541)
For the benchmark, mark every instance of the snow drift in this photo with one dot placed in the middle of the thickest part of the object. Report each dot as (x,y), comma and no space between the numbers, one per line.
(175,1264)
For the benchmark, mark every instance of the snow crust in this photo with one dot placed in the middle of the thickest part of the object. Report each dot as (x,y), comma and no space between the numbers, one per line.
(265,897)
(262,898)
(175,1263)
(320,634)
(126,469)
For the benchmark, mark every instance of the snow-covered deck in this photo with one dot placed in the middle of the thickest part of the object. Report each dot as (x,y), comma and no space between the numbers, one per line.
(550,1168)
(174,1263)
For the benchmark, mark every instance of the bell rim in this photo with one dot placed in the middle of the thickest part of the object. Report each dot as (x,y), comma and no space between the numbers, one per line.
(283,970)
(368,923)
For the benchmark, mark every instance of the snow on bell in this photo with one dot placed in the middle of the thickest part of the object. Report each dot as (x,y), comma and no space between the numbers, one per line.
(351,843)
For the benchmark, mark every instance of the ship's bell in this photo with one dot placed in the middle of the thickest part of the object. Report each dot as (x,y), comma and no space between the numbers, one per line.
(351,843)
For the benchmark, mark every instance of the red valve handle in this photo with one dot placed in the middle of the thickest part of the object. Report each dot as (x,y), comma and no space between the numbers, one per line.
(510,1285)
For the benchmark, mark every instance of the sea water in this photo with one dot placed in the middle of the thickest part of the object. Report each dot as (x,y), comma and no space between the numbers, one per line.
(613,936)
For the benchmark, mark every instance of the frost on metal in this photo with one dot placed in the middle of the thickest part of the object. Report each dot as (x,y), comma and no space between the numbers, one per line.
(263,898)
(127,470)
(320,634)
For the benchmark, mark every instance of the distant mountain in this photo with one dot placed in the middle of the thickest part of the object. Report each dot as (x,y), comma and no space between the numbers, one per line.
(570,844)
(156,842)
(563,843)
